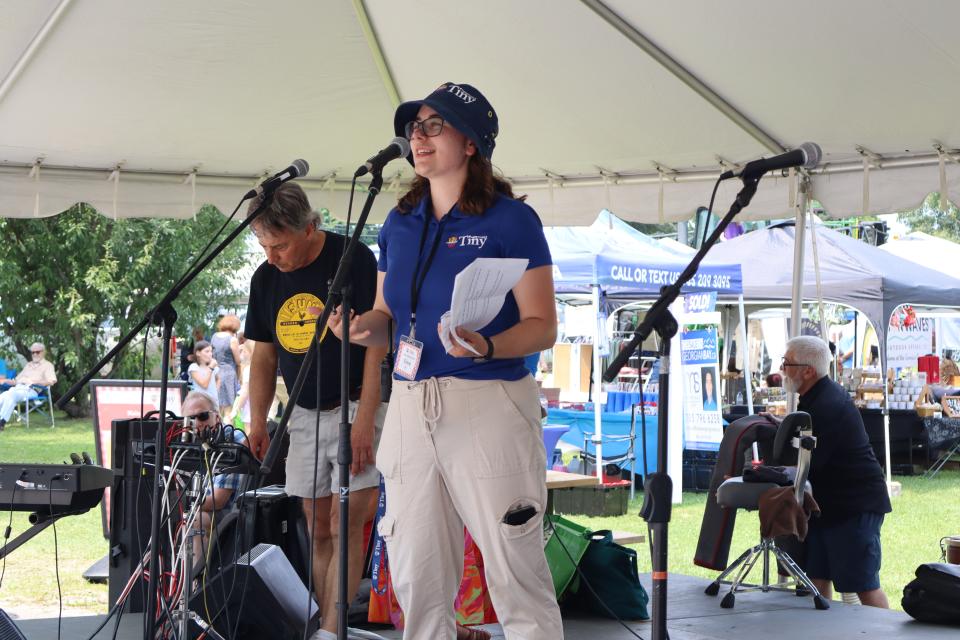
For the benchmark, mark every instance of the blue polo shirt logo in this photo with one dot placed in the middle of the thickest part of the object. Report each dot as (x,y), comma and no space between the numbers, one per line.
(466,241)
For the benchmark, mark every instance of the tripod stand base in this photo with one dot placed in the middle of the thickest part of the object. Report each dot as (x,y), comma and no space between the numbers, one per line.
(801,584)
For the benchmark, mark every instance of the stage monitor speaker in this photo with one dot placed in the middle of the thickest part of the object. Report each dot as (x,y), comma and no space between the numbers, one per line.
(9,630)
(260,595)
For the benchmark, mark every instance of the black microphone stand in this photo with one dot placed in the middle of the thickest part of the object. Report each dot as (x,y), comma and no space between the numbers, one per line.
(163,313)
(344,451)
(659,487)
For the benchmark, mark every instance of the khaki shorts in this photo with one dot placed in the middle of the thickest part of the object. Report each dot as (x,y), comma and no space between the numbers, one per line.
(301,455)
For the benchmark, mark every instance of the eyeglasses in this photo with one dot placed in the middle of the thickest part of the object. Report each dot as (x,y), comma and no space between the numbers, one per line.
(430,127)
(784,364)
(40,351)
(202,416)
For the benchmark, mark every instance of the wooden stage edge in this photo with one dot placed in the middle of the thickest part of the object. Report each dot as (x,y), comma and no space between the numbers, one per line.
(691,615)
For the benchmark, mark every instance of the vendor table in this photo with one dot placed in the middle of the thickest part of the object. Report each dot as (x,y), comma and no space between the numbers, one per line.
(943,434)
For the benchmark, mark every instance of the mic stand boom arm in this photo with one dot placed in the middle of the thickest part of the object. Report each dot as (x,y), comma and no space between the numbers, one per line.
(659,487)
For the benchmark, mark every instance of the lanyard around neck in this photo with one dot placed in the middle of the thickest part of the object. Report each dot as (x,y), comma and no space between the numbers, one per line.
(417,285)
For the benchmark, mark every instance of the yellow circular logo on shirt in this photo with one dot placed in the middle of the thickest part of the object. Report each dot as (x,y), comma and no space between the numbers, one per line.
(295,322)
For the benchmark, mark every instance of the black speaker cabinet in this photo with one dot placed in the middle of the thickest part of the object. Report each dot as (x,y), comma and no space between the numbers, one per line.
(259,596)
(130,510)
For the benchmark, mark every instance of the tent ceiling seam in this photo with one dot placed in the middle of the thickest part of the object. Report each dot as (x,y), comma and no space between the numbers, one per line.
(32,47)
(684,75)
(549,177)
(380,60)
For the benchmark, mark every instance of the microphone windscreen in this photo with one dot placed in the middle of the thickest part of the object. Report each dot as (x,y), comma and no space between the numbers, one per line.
(811,154)
(300,167)
(404,145)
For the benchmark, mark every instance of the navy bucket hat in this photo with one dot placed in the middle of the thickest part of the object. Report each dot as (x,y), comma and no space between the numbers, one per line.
(461,105)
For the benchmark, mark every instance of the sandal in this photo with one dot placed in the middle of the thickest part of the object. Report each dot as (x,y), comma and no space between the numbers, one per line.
(466,633)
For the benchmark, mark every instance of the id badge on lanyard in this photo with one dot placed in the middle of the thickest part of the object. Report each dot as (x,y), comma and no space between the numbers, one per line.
(407,361)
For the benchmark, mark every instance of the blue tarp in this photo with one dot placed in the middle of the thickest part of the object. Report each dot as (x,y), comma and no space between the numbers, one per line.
(583,425)
(622,260)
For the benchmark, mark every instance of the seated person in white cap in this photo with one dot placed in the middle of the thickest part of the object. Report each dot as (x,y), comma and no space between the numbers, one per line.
(39,371)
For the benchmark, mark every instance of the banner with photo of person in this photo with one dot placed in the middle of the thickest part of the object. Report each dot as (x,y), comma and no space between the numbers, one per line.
(700,361)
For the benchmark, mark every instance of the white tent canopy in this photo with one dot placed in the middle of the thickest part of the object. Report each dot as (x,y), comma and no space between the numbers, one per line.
(926,250)
(151,109)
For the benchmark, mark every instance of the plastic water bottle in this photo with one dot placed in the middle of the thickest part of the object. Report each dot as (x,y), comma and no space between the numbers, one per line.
(739,397)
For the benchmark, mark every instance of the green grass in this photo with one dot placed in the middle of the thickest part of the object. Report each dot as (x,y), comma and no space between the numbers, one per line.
(30,578)
(926,511)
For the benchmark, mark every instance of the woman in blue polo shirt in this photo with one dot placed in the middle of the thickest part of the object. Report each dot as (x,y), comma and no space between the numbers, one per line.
(462,443)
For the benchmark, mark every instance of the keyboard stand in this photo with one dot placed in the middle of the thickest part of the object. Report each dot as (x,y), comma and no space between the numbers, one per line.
(40,522)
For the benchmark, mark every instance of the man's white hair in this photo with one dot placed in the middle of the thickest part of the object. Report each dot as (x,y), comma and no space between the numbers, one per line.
(202,398)
(811,351)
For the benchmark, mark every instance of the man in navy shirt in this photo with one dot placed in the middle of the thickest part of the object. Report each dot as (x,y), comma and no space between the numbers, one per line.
(843,544)
(287,292)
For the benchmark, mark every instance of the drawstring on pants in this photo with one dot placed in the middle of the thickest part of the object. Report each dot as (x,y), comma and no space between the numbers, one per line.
(431,404)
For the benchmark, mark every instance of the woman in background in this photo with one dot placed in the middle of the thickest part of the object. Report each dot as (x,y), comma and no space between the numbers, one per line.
(226,351)
(241,406)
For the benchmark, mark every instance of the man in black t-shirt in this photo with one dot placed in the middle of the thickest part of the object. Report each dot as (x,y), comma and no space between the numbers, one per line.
(285,293)
(843,544)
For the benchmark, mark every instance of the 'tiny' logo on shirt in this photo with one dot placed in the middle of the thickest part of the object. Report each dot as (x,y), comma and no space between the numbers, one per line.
(466,241)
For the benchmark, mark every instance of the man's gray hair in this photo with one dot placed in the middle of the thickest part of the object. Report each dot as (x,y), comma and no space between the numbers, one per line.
(811,351)
(288,210)
(199,396)
(37,346)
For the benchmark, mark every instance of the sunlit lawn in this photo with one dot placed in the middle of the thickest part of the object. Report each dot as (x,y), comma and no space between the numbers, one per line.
(926,511)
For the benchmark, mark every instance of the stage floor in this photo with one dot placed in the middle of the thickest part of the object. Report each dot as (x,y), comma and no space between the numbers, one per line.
(690,613)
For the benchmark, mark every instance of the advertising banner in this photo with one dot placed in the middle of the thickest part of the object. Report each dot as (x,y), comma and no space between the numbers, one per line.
(908,338)
(700,359)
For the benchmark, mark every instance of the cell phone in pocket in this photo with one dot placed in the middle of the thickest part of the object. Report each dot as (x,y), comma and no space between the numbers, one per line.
(519,515)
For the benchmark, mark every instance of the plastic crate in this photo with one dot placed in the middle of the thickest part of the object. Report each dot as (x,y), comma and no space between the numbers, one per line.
(600,500)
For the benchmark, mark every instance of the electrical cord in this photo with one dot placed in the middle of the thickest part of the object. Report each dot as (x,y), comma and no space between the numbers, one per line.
(585,582)
(316,467)
(9,529)
(706,223)
(56,551)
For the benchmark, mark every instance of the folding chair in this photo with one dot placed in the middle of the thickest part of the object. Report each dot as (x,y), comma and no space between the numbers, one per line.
(41,403)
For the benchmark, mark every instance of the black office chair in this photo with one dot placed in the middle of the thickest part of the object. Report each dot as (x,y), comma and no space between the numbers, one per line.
(734,493)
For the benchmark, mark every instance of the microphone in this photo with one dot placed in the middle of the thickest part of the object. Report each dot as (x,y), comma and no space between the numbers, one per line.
(398,148)
(297,169)
(806,156)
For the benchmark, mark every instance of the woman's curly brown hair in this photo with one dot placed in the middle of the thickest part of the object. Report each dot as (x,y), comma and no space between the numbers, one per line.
(479,190)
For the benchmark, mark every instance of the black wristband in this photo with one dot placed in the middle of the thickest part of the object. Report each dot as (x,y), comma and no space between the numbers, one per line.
(489,355)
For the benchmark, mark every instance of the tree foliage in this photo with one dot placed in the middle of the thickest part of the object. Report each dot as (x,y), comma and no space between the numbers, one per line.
(78,281)
(934,219)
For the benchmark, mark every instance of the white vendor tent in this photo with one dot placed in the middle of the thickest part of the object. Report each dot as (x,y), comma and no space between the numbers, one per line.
(927,250)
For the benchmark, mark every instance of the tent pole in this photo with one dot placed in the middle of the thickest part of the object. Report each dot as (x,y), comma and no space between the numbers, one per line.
(597,373)
(746,355)
(886,419)
(34,45)
(796,303)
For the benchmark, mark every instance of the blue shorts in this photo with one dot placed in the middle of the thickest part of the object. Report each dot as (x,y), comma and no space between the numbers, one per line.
(847,552)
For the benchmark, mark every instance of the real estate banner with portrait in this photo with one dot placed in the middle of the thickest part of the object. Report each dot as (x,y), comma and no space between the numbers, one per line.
(700,359)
